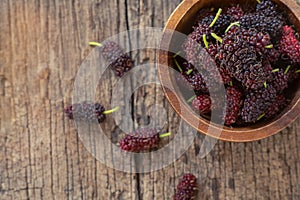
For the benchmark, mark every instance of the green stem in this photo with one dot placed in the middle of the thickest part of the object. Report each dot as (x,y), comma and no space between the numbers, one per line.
(265,84)
(205,40)
(110,111)
(165,135)
(217,37)
(178,66)
(216,17)
(95,44)
(298,71)
(269,46)
(191,99)
(275,70)
(261,116)
(177,54)
(231,83)
(258,1)
(287,69)
(189,72)
(231,25)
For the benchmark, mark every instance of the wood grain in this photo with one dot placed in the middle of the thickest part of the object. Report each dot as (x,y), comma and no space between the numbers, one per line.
(42,44)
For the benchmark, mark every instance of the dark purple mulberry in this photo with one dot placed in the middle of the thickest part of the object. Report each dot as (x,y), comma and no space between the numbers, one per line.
(220,25)
(194,81)
(119,61)
(276,107)
(242,61)
(194,43)
(140,140)
(187,188)
(257,102)
(280,81)
(203,13)
(267,8)
(271,25)
(85,111)
(273,55)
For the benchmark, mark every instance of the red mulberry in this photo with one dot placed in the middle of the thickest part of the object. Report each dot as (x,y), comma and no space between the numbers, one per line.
(289,44)
(140,140)
(202,104)
(187,188)
(234,102)
(235,12)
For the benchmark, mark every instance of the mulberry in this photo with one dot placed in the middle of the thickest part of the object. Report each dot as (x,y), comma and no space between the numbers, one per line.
(289,44)
(275,108)
(235,12)
(234,102)
(86,111)
(195,81)
(194,43)
(202,104)
(242,61)
(119,61)
(140,140)
(187,188)
(267,8)
(219,27)
(272,25)
(257,102)
(273,55)
(280,81)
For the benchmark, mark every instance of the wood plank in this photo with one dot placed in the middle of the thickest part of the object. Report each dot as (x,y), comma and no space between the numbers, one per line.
(44,158)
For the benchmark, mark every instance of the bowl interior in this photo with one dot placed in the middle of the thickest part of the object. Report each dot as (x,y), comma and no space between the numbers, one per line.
(182,21)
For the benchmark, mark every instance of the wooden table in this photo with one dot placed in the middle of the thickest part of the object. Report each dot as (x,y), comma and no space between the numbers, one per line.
(42,45)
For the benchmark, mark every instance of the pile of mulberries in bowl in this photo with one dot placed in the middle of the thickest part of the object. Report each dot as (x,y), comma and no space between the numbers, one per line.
(256,56)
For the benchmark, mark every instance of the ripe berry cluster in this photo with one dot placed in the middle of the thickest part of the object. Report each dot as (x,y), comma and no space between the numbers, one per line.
(253,52)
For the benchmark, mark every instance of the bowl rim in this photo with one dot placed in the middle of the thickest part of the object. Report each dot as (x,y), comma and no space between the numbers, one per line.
(199,123)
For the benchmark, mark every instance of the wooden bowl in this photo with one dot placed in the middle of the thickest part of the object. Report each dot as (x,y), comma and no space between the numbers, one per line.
(181,20)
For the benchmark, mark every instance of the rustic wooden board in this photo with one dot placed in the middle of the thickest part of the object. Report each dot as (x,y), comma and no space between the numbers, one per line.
(42,44)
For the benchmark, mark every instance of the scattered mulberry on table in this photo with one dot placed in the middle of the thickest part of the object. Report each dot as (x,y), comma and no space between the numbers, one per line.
(85,111)
(187,188)
(140,140)
(119,61)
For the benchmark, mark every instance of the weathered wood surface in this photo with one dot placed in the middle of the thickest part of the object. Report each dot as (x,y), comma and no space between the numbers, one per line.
(42,44)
